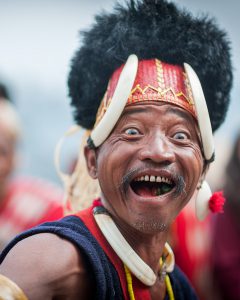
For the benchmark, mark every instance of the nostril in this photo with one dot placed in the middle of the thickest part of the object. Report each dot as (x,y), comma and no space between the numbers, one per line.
(158,148)
(166,154)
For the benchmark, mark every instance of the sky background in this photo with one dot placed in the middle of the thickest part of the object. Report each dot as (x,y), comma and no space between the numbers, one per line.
(37,41)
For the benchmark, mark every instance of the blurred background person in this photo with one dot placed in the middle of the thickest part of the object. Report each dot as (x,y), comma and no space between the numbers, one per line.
(24,201)
(226,232)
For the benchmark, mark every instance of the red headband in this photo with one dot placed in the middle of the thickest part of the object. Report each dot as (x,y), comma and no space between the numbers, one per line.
(155,81)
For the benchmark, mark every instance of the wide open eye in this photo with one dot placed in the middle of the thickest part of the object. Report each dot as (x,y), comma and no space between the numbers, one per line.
(132,131)
(180,136)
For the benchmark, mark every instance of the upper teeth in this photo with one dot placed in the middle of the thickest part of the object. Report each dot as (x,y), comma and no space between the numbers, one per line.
(153,179)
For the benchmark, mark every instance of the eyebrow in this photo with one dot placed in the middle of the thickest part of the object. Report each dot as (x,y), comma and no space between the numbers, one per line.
(173,110)
(181,113)
(134,110)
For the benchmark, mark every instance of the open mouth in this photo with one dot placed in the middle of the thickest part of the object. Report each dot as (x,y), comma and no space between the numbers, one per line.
(152,186)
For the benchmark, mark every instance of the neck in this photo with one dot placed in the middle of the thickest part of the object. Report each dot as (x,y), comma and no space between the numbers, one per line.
(149,246)
(140,257)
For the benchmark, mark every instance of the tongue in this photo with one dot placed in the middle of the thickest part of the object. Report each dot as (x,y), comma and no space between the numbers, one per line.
(151,189)
(146,191)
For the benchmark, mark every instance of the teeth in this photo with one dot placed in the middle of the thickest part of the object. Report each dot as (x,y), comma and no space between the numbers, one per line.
(153,178)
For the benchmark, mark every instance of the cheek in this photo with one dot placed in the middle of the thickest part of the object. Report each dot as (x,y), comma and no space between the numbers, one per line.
(114,157)
(109,163)
(113,163)
(198,160)
(193,163)
(197,166)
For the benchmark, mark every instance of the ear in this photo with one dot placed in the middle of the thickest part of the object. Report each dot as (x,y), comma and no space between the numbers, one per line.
(91,161)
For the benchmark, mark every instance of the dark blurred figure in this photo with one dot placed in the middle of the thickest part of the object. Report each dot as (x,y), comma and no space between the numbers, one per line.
(226,234)
(4,94)
(24,201)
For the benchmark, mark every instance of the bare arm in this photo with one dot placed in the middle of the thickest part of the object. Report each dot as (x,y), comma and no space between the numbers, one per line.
(47,267)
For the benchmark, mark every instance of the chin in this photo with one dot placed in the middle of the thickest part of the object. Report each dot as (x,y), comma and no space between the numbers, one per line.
(151,225)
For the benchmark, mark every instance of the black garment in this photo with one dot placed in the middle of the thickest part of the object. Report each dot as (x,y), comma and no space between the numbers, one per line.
(107,283)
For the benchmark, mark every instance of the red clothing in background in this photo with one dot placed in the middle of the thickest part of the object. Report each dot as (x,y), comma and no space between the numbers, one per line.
(28,202)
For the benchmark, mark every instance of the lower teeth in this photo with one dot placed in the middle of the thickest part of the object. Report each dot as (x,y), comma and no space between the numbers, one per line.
(163,190)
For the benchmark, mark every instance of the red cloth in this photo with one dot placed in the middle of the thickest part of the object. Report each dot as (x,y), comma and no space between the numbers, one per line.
(28,202)
(141,291)
(154,81)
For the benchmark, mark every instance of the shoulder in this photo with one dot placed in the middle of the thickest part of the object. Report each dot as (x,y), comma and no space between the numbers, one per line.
(43,263)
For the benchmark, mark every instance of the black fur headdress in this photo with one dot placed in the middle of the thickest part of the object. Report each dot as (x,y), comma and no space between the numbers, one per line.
(150,29)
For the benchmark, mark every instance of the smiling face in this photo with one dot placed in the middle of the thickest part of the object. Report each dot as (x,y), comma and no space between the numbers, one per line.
(149,166)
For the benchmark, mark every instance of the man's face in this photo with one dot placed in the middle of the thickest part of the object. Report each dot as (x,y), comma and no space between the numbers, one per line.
(149,166)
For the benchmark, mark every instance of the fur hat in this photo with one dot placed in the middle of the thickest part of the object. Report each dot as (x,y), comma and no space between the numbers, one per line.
(150,29)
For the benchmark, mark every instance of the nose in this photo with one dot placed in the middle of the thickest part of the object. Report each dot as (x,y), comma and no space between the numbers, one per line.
(158,149)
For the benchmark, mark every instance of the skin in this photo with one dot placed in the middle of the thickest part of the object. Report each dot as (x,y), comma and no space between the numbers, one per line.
(7,157)
(151,139)
(158,139)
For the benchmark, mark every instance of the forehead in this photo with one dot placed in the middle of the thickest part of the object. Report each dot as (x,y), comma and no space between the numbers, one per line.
(161,110)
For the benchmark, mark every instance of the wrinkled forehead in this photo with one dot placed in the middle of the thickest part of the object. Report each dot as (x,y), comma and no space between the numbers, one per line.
(156,112)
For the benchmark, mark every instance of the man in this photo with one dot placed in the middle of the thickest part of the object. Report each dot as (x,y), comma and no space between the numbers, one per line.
(149,147)
(24,201)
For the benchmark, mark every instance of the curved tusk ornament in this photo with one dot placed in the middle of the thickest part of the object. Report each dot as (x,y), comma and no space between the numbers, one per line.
(202,113)
(135,264)
(128,256)
(119,100)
